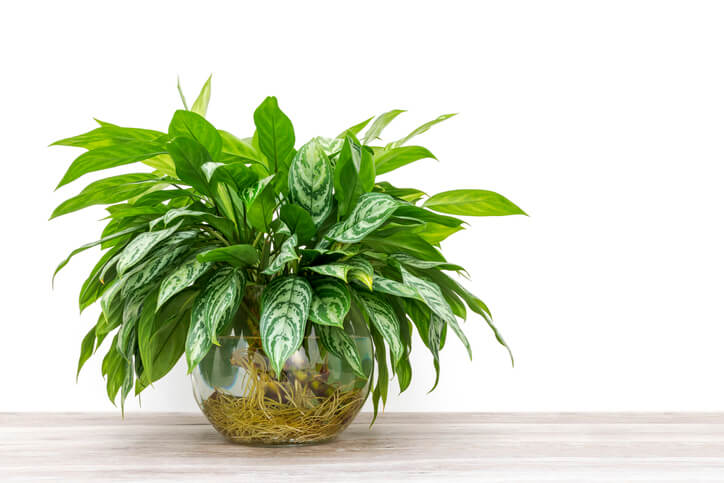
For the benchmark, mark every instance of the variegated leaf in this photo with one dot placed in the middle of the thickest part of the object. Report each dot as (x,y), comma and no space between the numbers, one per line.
(336,341)
(430,293)
(150,270)
(224,225)
(310,181)
(393,287)
(336,270)
(140,246)
(384,319)
(218,301)
(182,277)
(362,271)
(372,210)
(330,146)
(330,303)
(432,296)
(198,344)
(251,193)
(286,254)
(285,309)
(411,261)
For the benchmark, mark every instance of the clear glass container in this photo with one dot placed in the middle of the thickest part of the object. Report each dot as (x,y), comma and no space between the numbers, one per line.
(314,398)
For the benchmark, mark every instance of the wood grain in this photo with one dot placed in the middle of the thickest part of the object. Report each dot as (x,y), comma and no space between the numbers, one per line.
(401,446)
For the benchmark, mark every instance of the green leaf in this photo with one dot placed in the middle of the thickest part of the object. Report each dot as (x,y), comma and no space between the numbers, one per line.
(163,343)
(434,337)
(383,317)
(434,233)
(380,390)
(411,195)
(286,254)
(285,309)
(189,156)
(236,175)
(94,285)
(404,374)
(110,157)
(182,277)
(354,174)
(330,302)
(238,147)
(86,349)
(113,236)
(380,124)
(236,255)
(475,304)
(336,341)
(472,203)
(218,301)
(261,202)
(299,221)
(356,129)
(421,129)
(276,135)
(310,181)
(391,159)
(109,135)
(405,242)
(140,246)
(201,103)
(190,125)
(421,214)
(372,210)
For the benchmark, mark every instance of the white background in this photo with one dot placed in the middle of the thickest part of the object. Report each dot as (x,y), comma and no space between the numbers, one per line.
(603,120)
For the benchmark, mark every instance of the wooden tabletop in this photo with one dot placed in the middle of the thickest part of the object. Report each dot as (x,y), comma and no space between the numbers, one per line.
(401,446)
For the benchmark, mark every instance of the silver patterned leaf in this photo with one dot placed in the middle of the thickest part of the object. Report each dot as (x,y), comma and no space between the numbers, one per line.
(285,309)
(361,271)
(431,294)
(140,246)
(152,269)
(330,303)
(385,321)
(393,287)
(336,270)
(372,210)
(310,181)
(336,341)
(287,253)
(182,277)
(218,301)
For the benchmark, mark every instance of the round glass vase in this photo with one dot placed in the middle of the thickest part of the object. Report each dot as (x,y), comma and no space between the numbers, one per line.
(314,398)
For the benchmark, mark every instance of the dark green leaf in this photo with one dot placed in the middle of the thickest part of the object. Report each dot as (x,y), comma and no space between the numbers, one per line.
(189,156)
(299,221)
(354,174)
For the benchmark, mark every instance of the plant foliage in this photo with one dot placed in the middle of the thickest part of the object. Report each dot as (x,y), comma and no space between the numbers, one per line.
(214,215)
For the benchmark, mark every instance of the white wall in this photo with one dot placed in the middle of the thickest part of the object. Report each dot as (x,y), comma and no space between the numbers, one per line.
(603,120)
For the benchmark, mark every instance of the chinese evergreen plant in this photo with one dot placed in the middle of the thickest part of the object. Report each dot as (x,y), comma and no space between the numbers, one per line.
(314,228)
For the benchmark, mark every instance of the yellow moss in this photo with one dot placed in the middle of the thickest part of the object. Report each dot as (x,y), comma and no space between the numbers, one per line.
(280,412)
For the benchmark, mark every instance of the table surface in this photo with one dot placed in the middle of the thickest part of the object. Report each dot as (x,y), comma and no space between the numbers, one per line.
(401,446)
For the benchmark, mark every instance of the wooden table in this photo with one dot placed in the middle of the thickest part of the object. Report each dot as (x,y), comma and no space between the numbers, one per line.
(401,446)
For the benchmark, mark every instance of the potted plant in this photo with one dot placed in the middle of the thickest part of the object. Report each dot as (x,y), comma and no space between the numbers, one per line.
(285,275)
